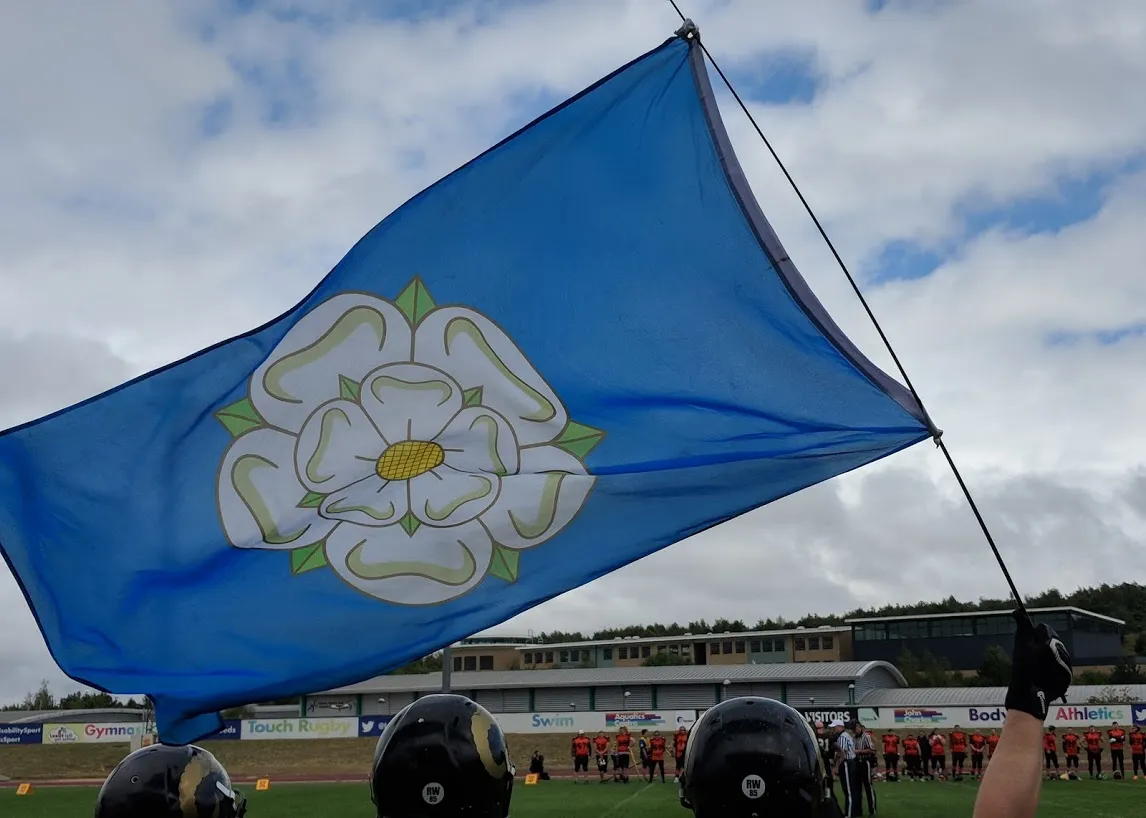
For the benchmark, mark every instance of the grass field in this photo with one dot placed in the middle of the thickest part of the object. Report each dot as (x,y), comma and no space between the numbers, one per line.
(561,799)
(335,758)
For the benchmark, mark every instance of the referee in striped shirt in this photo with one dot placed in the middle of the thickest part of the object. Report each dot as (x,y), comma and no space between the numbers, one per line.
(848,774)
(865,765)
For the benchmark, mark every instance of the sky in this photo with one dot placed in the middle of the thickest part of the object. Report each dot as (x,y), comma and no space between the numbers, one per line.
(175,173)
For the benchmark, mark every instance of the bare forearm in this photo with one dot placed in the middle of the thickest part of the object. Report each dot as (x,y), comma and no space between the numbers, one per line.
(1011,784)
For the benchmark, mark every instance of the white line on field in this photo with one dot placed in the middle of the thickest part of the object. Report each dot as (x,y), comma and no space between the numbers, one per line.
(620,804)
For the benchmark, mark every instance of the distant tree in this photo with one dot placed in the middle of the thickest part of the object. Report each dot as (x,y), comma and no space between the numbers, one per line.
(1127,672)
(908,664)
(1112,695)
(88,701)
(1140,647)
(41,699)
(665,660)
(995,669)
(1089,677)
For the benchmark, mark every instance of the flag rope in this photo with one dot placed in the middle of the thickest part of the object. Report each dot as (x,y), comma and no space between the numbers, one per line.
(690,32)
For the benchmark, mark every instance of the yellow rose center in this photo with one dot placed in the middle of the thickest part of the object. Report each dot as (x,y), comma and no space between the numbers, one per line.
(408,459)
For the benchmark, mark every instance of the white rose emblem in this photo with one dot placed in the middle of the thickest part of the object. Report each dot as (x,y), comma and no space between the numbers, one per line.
(412,448)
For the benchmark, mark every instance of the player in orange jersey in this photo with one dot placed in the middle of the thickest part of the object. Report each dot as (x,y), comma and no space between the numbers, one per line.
(938,754)
(624,745)
(1070,745)
(912,758)
(978,745)
(958,752)
(1117,738)
(657,746)
(1050,751)
(580,752)
(992,743)
(890,743)
(601,749)
(679,743)
(1093,740)
(1138,751)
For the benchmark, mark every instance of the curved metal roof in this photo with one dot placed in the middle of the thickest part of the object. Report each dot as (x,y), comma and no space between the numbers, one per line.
(981,696)
(601,677)
(106,714)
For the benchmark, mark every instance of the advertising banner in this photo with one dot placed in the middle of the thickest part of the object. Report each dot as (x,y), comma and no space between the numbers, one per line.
(945,718)
(663,720)
(829,714)
(21,734)
(277,729)
(232,731)
(1138,711)
(92,733)
(372,726)
(1082,715)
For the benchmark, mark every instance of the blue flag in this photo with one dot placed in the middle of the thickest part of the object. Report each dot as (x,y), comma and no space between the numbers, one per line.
(580,347)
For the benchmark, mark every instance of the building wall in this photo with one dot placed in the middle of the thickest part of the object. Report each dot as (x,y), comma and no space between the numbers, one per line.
(485,657)
(771,650)
(722,649)
(816,646)
(331,706)
(963,641)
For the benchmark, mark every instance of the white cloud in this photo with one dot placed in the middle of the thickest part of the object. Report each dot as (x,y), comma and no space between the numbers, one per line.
(128,240)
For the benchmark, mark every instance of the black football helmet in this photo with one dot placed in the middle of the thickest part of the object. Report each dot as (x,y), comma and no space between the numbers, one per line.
(752,757)
(161,781)
(442,756)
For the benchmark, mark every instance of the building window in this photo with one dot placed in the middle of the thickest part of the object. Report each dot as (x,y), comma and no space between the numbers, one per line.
(469,663)
(646,651)
(754,646)
(564,657)
(457,663)
(766,646)
(623,653)
(686,650)
(527,658)
(584,656)
(726,648)
(813,643)
(715,649)
(607,653)
(912,630)
(779,645)
(661,648)
(674,650)
(548,657)
(829,643)
(799,643)
(485,663)
(740,646)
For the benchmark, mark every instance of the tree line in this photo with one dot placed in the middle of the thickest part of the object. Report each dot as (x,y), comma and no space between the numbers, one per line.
(1126,601)
(43,699)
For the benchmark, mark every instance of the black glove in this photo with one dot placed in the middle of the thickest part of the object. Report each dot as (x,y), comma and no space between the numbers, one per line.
(1040,668)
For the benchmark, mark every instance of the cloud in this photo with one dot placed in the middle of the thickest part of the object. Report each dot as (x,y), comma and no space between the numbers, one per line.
(172,174)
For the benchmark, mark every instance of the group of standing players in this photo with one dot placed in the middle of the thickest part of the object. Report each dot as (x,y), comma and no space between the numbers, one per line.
(618,751)
(924,756)
(1095,742)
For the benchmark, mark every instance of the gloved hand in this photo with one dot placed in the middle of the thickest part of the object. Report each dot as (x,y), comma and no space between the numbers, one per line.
(1041,669)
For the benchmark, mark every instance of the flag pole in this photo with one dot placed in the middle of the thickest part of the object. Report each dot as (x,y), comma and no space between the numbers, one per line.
(689,32)
(447,668)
